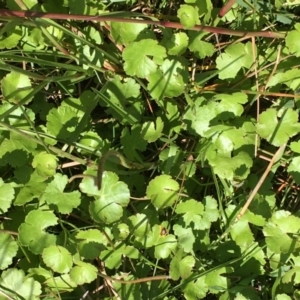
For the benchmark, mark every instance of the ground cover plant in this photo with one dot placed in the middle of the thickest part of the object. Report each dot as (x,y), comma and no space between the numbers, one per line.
(149,149)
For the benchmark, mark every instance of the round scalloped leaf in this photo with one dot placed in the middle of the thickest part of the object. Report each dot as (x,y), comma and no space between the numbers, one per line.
(294,169)
(83,273)
(92,140)
(168,81)
(152,131)
(11,39)
(125,33)
(113,257)
(89,250)
(63,282)
(277,131)
(140,224)
(138,58)
(13,282)
(8,250)
(195,289)
(92,235)
(178,43)
(32,232)
(235,57)
(45,164)
(164,246)
(111,198)
(186,238)
(236,167)
(162,190)
(188,15)
(62,121)
(7,194)
(15,87)
(201,48)
(292,40)
(54,195)
(181,267)
(58,258)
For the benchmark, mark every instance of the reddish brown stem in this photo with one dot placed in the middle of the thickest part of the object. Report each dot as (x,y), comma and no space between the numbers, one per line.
(211,29)
(224,10)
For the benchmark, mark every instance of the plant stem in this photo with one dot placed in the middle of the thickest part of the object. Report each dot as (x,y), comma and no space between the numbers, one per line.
(224,10)
(108,18)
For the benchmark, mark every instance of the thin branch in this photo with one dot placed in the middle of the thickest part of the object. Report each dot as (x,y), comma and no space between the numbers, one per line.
(224,10)
(107,18)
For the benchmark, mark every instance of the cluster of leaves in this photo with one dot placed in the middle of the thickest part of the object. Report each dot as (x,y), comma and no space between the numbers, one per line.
(178,102)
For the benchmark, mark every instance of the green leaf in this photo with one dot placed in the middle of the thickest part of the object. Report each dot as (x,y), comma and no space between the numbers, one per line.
(125,33)
(292,276)
(192,211)
(201,48)
(111,198)
(294,169)
(186,238)
(277,130)
(32,233)
(230,168)
(32,40)
(7,194)
(62,283)
(242,234)
(140,224)
(20,286)
(8,250)
(12,37)
(84,7)
(151,131)
(54,6)
(89,250)
(295,146)
(89,57)
(217,283)
(113,257)
(283,297)
(235,57)
(164,246)
(83,273)
(28,3)
(231,103)
(93,34)
(124,100)
(181,267)
(201,117)
(289,78)
(292,39)
(45,164)
(211,209)
(57,258)
(132,141)
(168,80)
(176,44)
(92,235)
(162,190)
(277,232)
(62,121)
(195,289)
(33,189)
(15,87)
(188,15)
(137,58)
(54,195)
